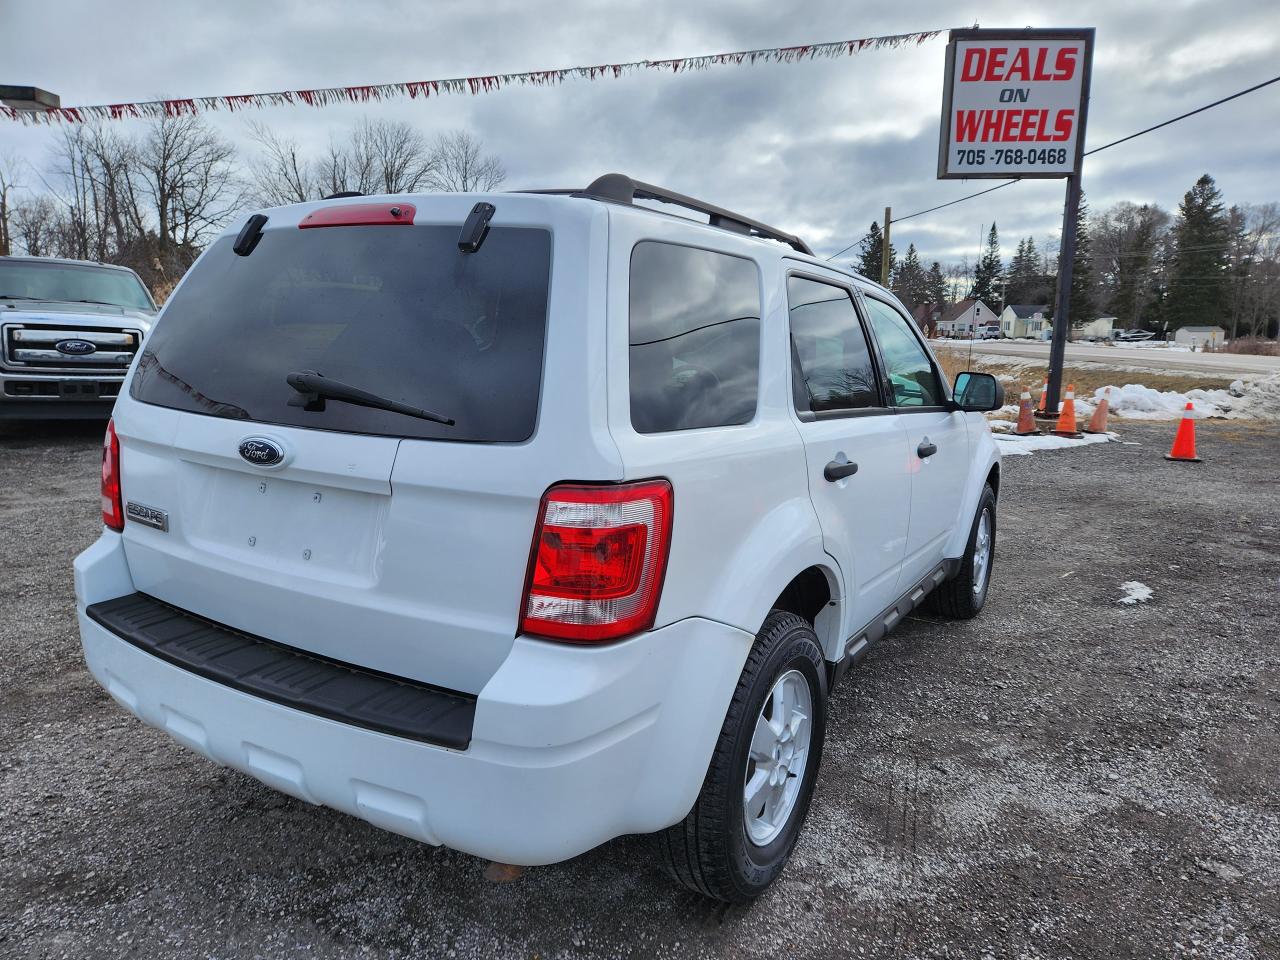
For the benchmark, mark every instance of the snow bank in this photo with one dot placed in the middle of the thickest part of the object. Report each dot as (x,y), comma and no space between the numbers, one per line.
(1011,444)
(1259,400)
(1151,345)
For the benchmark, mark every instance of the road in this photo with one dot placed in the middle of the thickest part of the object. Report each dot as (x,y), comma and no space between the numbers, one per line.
(1063,777)
(1227,364)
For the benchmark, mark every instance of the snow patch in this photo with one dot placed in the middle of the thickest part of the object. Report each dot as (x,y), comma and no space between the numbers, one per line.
(1013,444)
(1135,591)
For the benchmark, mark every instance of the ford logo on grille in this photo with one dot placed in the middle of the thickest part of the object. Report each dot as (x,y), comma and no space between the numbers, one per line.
(260,451)
(75,348)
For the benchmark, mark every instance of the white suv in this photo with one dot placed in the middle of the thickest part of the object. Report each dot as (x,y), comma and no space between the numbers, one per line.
(518,522)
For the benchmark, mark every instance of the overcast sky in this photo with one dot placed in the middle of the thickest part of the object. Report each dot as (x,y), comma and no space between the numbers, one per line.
(818,148)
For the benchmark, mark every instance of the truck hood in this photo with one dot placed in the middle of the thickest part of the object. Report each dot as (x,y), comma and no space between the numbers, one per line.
(73,314)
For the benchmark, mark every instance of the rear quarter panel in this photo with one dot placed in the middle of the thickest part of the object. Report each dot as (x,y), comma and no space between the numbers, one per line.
(744,525)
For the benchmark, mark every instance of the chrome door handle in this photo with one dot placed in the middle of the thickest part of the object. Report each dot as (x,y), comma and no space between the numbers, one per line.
(835,470)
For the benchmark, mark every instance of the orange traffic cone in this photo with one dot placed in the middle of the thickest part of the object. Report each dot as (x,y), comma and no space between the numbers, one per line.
(1067,419)
(1184,444)
(1044,395)
(1098,422)
(1026,417)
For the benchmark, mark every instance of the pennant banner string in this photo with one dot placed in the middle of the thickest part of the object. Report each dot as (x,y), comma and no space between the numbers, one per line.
(326,96)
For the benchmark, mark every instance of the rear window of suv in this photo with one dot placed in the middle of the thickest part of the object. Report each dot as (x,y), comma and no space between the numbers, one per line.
(395,311)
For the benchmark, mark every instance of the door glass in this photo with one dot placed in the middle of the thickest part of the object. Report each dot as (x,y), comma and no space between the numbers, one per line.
(832,367)
(915,384)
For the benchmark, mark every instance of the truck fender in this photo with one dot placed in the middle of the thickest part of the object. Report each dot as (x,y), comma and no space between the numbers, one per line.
(985,456)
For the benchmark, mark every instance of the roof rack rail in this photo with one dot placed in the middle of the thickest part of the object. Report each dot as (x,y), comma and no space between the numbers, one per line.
(619,188)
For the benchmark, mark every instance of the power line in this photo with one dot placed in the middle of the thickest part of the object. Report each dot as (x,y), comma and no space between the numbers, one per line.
(1105,146)
(930,210)
(1189,113)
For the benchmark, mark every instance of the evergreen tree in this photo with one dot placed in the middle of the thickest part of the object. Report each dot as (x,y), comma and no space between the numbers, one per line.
(910,282)
(988,272)
(1082,301)
(872,247)
(1198,281)
(1129,260)
(1023,278)
(935,284)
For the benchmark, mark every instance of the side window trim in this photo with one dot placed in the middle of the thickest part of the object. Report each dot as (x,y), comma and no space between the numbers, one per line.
(884,407)
(933,363)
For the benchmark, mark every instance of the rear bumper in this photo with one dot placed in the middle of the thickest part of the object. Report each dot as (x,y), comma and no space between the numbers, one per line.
(570,747)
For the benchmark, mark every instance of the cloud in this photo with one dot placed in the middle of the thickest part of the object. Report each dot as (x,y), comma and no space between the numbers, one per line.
(819,148)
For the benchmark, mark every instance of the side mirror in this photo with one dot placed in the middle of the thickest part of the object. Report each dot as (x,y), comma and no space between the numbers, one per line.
(978,392)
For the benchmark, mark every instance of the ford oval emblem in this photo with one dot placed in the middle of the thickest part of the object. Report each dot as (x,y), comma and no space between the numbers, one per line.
(260,451)
(75,348)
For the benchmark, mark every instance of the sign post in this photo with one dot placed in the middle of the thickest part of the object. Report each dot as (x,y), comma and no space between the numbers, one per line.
(884,247)
(1014,105)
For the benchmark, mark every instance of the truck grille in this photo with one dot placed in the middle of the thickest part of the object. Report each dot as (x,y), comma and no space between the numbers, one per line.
(38,346)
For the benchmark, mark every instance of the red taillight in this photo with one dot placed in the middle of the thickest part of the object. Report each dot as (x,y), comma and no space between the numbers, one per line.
(599,555)
(112,508)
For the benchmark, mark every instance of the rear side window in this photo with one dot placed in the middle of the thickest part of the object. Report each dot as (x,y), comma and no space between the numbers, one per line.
(694,338)
(831,360)
(395,311)
(911,374)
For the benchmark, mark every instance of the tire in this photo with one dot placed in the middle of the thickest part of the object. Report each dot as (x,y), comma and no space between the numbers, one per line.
(712,851)
(963,596)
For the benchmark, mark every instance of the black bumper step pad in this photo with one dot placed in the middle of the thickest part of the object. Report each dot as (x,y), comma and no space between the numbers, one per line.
(285,675)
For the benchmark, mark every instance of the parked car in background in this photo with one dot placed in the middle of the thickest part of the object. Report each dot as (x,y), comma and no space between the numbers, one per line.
(518,522)
(1132,334)
(990,331)
(68,332)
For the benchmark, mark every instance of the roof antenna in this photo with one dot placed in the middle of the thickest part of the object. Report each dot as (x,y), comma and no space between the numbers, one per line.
(476,228)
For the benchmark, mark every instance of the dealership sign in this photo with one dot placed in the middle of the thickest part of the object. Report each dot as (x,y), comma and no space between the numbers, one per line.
(1014,103)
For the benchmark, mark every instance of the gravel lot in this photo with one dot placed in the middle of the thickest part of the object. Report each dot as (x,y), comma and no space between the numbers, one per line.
(1066,776)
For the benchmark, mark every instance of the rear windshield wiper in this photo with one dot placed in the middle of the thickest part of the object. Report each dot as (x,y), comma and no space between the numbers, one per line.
(317,388)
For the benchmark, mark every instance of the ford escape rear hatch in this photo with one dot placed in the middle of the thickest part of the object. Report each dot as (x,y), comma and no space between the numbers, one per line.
(278,487)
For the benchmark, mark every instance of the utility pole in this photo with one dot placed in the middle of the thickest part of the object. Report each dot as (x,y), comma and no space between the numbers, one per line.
(1062,303)
(884,248)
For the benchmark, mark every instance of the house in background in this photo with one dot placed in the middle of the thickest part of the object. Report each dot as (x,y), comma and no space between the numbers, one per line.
(927,316)
(1024,320)
(1200,336)
(1099,329)
(964,318)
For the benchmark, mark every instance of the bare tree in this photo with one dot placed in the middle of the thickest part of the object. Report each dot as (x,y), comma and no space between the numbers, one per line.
(94,167)
(1254,298)
(402,159)
(462,166)
(185,169)
(376,156)
(281,176)
(8,170)
(349,165)
(35,225)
